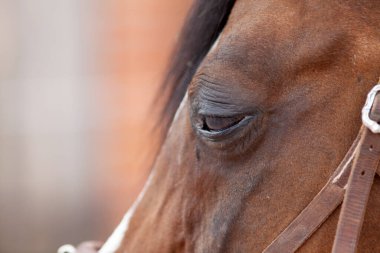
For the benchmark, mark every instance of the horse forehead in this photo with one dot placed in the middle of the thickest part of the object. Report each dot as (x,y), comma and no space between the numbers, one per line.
(271,40)
(254,18)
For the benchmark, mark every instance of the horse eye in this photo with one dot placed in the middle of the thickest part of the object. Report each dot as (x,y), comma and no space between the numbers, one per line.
(214,123)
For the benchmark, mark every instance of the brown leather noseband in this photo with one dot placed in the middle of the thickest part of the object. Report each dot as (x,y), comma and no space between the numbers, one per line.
(351,183)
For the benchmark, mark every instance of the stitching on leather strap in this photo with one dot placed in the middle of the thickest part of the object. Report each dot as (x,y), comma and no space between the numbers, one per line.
(359,186)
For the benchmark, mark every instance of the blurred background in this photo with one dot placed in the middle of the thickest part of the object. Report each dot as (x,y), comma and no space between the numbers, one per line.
(77,82)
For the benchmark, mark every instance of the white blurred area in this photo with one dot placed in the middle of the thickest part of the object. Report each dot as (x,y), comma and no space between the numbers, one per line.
(46,119)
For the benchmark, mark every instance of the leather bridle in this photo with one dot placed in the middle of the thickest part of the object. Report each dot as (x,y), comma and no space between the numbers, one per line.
(350,183)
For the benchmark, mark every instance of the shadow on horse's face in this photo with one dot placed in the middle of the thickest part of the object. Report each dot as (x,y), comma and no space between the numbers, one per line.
(269,114)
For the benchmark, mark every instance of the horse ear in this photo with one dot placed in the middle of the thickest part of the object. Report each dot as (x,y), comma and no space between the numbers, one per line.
(205,20)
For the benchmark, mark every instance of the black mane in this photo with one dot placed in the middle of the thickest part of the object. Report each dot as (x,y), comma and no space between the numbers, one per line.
(205,21)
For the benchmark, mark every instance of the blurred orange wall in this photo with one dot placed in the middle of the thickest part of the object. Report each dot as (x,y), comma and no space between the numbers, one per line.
(138,39)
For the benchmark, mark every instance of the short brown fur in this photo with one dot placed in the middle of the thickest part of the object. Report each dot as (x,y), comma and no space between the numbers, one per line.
(307,66)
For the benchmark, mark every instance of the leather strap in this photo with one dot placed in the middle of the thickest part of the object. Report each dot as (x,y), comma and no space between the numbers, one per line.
(359,186)
(318,210)
(310,219)
(366,153)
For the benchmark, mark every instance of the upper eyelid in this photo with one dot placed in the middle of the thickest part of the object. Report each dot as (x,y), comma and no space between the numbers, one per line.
(212,97)
(211,93)
(207,101)
(219,110)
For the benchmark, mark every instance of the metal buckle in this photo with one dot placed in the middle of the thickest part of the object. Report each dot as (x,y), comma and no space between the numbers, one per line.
(367,121)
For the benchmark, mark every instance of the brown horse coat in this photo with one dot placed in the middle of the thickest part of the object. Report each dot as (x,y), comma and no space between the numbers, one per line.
(269,113)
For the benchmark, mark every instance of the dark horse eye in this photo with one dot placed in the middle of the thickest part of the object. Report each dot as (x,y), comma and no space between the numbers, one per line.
(214,123)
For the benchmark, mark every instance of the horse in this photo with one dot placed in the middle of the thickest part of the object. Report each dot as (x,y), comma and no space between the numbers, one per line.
(263,102)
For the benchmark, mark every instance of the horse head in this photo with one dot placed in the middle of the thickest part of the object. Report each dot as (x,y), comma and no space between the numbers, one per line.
(271,93)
